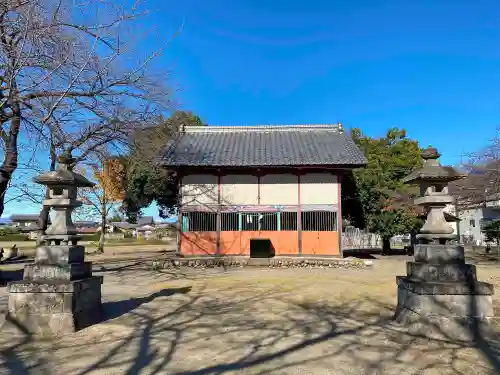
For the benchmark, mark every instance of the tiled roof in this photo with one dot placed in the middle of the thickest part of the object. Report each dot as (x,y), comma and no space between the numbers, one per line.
(246,146)
(85,223)
(25,217)
(30,228)
(122,225)
(145,220)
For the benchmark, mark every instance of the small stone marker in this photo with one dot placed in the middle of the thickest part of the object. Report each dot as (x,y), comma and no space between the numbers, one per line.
(10,253)
(58,293)
(440,289)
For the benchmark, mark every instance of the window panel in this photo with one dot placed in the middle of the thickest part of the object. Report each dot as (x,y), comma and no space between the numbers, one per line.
(289,221)
(229,222)
(319,221)
(269,221)
(200,221)
(250,221)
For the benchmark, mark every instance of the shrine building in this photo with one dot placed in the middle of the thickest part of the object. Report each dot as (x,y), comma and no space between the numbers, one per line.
(261,191)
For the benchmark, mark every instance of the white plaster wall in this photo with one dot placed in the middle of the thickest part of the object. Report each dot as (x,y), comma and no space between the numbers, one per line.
(279,189)
(450,208)
(239,189)
(467,228)
(319,188)
(199,190)
(477,215)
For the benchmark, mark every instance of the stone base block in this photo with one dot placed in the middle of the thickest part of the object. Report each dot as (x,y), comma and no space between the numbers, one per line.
(441,272)
(444,310)
(439,254)
(471,287)
(72,271)
(448,305)
(60,254)
(440,327)
(56,307)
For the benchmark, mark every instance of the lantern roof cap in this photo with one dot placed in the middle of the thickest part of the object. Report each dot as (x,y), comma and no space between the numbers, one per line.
(432,170)
(63,175)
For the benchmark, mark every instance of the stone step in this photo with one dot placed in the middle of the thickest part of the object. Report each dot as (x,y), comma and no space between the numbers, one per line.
(72,271)
(445,287)
(258,262)
(441,272)
(431,253)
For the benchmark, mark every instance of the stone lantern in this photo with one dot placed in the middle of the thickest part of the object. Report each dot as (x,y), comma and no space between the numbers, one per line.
(433,180)
(58,293)
(440,289)
(63,185)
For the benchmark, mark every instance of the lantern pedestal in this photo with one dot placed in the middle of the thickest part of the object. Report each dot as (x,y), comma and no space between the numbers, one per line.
(58,293)
(55,307)
(441,296)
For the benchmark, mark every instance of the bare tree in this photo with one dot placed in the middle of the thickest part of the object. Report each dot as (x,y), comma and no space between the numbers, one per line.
(101,199)
(482,183)
(71,76)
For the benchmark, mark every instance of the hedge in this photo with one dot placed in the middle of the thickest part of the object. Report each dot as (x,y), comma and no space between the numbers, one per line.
(91,237)
(15,237)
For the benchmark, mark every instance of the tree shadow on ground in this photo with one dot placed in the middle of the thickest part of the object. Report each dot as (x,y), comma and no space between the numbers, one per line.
(115,309)
(359,253)
(252,331)
(371,253)
(136,269)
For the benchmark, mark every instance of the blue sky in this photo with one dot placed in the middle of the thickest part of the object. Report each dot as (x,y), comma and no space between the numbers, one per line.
(431,67)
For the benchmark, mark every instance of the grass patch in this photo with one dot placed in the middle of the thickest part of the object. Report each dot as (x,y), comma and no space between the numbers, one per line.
(134,242)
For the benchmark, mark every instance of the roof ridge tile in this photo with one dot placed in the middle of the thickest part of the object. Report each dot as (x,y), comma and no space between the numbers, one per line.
(260,128)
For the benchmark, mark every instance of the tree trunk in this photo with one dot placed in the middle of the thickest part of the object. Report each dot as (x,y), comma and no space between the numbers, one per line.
(102,237)
(10,159)
(386,245)
(4,184)
(498,247)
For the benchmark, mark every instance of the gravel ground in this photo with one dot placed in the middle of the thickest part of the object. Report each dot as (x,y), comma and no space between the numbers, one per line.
(250,321)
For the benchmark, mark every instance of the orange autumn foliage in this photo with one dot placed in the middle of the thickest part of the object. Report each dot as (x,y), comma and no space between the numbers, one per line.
(111,179)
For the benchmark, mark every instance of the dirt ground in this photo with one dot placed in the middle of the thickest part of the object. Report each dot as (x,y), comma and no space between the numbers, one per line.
(250,321)
(27,248)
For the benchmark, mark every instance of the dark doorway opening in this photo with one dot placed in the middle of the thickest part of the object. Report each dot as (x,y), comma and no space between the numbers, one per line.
(261,248)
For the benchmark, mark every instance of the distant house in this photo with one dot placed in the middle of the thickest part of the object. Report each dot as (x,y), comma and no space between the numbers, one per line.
(145,227)
(146,231)
(24,220)
(120,226)
(86,226)
(120,229)
(478,202)
(146,220)
(26,223)
(473,220)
